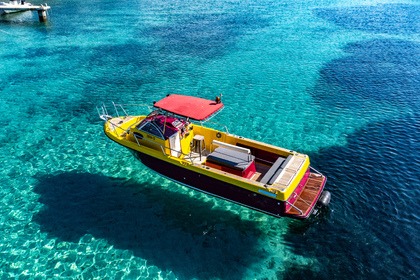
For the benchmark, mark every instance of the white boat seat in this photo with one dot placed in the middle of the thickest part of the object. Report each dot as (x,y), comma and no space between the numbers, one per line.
(230,158)
(274,172)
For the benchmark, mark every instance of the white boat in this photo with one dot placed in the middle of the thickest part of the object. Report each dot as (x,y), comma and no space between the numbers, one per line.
(14,6)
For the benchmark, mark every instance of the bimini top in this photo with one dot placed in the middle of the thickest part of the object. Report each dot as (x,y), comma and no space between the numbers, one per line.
(195,108)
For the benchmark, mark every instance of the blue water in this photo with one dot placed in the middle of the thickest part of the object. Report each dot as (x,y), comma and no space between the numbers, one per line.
(337,80)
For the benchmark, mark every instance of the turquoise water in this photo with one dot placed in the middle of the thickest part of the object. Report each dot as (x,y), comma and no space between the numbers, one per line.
(336,80)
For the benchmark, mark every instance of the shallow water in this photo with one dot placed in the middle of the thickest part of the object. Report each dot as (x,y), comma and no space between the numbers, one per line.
(338,81)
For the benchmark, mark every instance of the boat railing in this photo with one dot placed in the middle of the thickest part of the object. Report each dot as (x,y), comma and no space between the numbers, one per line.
(116,106)
(137,105)
(316,171)
(103,112)
(104,115)
(164,148)
(135,137)
(296,208)
(119,110)
(216,124)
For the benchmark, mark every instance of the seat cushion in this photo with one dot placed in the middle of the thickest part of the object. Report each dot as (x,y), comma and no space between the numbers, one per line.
(230,158)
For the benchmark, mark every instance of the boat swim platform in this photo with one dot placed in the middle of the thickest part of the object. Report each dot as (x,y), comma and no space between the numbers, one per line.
(41,9)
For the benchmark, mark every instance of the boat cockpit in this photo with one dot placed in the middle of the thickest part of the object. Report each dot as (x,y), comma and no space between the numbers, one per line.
(162,126)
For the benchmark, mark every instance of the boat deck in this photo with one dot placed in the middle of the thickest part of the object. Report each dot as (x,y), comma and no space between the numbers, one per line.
(308,195)
(261,168)
(119,125)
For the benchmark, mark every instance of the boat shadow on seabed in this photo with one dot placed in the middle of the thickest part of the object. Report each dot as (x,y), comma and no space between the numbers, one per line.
(170,230)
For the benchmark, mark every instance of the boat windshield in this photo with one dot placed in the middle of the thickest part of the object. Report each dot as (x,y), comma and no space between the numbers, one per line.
(161,126)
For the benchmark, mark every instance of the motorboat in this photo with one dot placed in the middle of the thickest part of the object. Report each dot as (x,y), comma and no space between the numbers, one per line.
(14,6)
(174,140)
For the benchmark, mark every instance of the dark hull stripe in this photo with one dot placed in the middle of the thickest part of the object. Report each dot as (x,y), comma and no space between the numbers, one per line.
(213,186)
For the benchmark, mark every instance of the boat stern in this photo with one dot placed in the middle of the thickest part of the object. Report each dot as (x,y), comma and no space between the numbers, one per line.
(309,193)
(297,185)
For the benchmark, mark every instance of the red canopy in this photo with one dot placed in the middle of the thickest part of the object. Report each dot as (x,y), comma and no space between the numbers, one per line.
(189,106)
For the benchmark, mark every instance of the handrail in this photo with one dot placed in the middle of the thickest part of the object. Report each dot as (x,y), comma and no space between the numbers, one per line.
(135,137)
(300,211)
(216,123)
(316,171)
(137,105)
(116,109)
(307,203)
(161,146)
(104,115)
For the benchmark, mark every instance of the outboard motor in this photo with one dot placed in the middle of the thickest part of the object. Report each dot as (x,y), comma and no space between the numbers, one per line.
(325,198)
